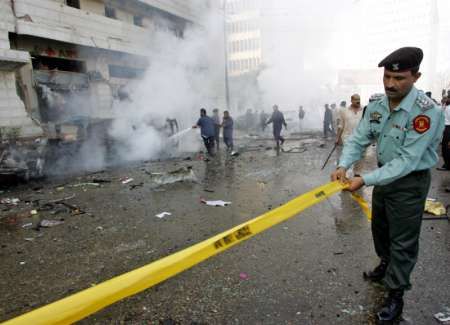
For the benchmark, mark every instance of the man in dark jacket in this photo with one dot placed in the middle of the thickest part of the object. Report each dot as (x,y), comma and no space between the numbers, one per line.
(227,124)
(277,120)
(207,131)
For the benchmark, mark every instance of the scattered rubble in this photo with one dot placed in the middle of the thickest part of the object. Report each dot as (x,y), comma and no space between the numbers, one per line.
(163,214)
(216,203)
(184,174)
(127,180)
(434,207)
(443,317)
(10,201)
(49,223)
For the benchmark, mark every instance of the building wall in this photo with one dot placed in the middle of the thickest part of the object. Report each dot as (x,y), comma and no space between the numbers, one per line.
(243,37)
(13,116)
(50,28)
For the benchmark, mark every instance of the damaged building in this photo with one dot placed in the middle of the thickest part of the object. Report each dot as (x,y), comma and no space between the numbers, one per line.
(64,62)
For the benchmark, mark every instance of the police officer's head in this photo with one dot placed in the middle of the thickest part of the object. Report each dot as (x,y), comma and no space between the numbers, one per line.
(275,108)
(333,106)
(202,112)
(327,106)
(226,114)
(216,111)
(343,103)
(356,101)
(401,71)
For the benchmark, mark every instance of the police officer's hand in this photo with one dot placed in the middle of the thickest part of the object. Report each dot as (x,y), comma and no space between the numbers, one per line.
(355,184)
(195,126)
(339,175)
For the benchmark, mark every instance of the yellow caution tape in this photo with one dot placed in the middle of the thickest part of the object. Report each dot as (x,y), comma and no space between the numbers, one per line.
(434,207)
(91,300)
(363,204)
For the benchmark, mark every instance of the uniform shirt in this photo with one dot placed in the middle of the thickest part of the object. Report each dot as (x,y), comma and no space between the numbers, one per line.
(403,146)
(206,125)
(348,121)
(447,115)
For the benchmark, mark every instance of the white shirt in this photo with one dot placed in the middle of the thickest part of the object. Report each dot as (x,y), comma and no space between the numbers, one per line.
(348,120)
(447,115)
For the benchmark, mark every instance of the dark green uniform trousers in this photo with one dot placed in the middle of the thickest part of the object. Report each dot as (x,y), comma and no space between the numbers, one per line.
(397,210)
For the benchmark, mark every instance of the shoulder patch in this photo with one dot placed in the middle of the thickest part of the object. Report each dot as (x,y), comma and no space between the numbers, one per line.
(424,102)
(421,123)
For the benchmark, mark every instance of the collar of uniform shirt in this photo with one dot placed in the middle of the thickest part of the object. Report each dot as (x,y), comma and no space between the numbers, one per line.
(407,102)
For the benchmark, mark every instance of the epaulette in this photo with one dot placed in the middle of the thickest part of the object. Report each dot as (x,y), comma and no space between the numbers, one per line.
(424,102)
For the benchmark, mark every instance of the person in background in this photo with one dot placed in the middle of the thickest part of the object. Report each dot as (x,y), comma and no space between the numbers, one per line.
(262,120)
(173,125)
(207,131)
(446,137)
(277,120)
(301,116)
(327,121)
(227,125)
(217,123)
(347,121)
(334,115)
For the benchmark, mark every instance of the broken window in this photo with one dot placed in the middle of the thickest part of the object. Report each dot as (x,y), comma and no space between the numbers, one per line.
(51,63)
(137,20)
(73,3)
(110,12)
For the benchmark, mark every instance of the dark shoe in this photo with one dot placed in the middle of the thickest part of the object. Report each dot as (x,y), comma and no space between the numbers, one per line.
(393,306)
(378,273)
(443,168)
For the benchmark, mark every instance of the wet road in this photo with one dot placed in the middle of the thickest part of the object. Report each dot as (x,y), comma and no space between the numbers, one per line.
(307,270)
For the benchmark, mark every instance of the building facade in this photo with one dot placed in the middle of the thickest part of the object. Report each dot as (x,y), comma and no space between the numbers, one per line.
(73,57)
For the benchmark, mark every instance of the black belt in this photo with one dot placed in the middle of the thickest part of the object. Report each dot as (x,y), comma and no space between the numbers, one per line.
(416,172)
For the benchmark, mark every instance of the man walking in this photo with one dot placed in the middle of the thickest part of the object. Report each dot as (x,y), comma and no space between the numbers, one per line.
(277,120)
(301,116)
(446,137)
(327,121)
(207,131)
(348,119)
(227,125)
(407,127)
(217,123)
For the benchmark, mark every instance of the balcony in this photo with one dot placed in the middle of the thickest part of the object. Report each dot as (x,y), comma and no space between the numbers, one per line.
(51,20)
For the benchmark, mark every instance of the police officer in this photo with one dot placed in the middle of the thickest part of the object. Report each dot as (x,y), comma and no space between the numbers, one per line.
(407,126)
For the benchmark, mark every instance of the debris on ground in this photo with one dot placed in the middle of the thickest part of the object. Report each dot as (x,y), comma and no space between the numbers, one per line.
(126,180)
(100,180)
(443,316)
(243,276)
(434,207)
(10,201)
(184,174)
(163,214)
(216,203)
(27,225)
(85,184)
(49,223)
(135,186)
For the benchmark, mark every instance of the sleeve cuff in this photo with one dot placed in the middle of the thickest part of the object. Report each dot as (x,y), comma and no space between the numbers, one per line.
(369,179)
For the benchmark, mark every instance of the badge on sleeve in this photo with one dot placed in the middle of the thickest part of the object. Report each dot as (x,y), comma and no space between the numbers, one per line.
(421,123)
